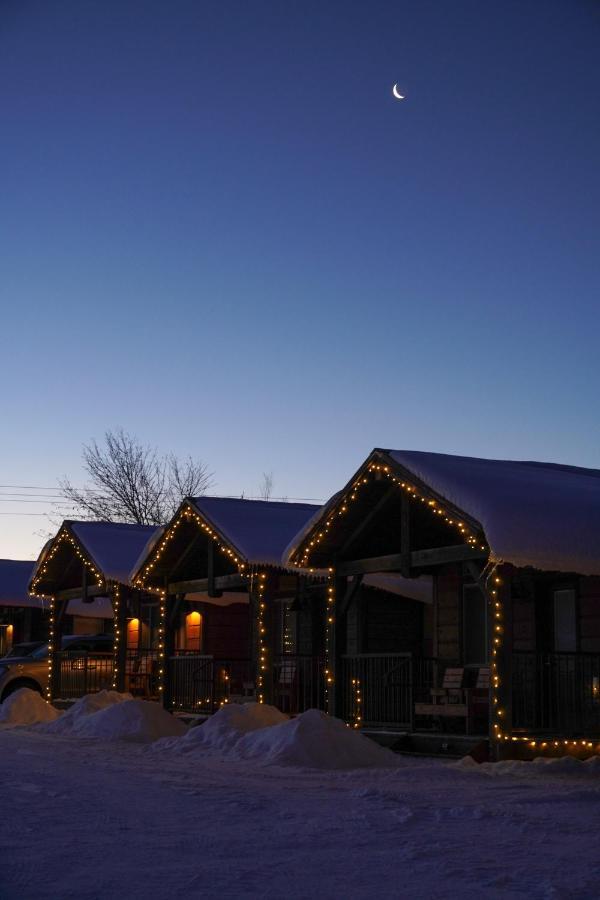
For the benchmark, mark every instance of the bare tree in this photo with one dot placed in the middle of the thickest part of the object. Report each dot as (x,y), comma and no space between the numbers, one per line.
(130,482)
(266,486)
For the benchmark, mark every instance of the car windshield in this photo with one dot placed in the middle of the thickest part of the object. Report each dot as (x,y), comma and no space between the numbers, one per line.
(40,653)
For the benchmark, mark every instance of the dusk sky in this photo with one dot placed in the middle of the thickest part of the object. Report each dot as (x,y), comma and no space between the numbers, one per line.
(220,231)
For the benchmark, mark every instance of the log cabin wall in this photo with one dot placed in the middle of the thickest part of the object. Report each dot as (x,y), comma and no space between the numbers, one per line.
(380,622)
(226,630)
(448,615)
(589,615)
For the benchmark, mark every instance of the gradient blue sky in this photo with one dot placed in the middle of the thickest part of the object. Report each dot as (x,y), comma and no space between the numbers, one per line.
(220,231)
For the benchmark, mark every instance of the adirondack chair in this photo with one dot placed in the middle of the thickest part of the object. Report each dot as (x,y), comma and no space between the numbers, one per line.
(455,700)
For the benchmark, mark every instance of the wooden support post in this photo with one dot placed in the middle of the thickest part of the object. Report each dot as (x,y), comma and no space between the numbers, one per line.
(172,604)
(84,584)
(502,643)
(120,655)
(405,534)
(56,641)
(268,640)
(336,650)
(210,567)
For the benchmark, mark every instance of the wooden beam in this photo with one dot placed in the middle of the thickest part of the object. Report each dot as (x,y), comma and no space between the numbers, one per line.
(405,534)
(75,593)
(200,585)
(349,595)
(437,556)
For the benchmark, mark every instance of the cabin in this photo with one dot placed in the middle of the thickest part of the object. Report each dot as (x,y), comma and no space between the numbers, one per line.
(507,650)
(236,623)
(23,618)
(83,573)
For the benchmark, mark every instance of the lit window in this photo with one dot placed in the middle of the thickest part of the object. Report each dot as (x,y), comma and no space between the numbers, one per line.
(133,634)
(193,631)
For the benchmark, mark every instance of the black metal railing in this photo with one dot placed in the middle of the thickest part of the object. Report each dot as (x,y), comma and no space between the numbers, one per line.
(84,673)
(201,684)
(381,687)
(558,693)
(298,683)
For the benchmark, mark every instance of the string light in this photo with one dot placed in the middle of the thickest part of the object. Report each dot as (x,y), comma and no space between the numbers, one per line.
(501,736)
(329,625)
(118,636)
(261,607)
(63,537)
(357,703)
(162,621)
(471,537)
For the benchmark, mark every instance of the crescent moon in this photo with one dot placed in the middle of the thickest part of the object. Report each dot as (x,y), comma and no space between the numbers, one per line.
(397,93)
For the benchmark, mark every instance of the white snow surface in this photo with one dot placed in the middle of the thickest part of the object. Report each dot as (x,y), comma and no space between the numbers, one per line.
(261,733)
(26,707)
(73,720)
(96,819)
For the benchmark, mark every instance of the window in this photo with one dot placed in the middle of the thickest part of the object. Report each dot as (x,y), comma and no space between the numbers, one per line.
(193,631)
(287,627)
(475,642)
(133,634)
(565,621)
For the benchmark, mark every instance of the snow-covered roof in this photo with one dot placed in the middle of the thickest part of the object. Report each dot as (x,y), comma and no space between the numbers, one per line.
(113,546)
(14,583)
(258,529)
(544,515)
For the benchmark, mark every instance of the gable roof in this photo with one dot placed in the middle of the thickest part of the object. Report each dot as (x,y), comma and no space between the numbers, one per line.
(259,530)
(537,514)
(113,546)
(14,583)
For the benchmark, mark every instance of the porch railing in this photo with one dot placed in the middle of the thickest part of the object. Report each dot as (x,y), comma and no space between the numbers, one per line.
(557,693)
(387,684)
(298,683)
(84,673)
(200,683)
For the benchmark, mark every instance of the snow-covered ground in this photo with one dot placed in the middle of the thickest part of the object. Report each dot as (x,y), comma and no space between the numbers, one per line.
(84,817)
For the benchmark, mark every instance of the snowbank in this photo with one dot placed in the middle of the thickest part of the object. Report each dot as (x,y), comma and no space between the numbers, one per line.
(541,765)
(229,724)
(109,715)
(259,732)
(26,707)
(74,718)
(133,720)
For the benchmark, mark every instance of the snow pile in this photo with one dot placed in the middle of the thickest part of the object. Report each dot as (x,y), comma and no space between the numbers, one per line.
(259,732)
(314,740)
(229,724)
(541,765)
(26,707)
(111,716)
(73,720)
(133,720)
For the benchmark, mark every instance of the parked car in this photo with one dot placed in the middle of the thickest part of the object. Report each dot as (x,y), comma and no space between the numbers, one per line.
(24,649)
(86,665)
